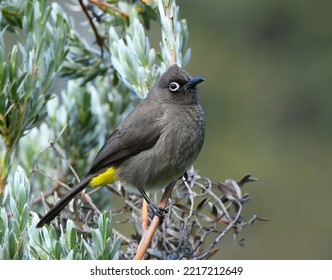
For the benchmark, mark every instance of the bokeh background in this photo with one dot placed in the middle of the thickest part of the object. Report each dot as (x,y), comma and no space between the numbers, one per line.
(268,104)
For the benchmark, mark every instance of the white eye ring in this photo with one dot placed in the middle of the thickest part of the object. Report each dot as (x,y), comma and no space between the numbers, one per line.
(174,86)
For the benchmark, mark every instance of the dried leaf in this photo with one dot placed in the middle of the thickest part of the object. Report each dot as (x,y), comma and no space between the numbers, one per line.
(214,210)
(245,198)
(212,252)
(235,187)
(181,207)
(173,233)
(246,179)
(205,218)
(226,190)
(263,219)
(113,190)
(223,220)
(241,242)
(202,204)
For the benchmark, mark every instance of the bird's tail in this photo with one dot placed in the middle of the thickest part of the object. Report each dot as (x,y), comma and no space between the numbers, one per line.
(58,207)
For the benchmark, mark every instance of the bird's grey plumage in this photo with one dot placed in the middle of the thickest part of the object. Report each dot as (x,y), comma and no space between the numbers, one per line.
(157,142)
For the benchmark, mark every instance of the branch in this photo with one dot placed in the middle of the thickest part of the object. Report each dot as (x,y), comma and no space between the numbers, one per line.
(145,218)
(149,233)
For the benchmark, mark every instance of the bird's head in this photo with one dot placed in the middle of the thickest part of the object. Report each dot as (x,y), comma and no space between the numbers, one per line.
(176,85)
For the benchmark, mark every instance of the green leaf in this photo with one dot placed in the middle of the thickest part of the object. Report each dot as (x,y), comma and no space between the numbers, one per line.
(16,227)
(104,225)
(57,250)
(91,253)
(107,249)
(12,16)
(116,247)
(4,250)
(13,208)
(71,235)
(12,242)
(3,84)
(97,242)
(24,216)
(3,219)
(21,199)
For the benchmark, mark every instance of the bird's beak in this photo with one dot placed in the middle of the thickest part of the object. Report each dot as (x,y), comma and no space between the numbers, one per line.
(193,83)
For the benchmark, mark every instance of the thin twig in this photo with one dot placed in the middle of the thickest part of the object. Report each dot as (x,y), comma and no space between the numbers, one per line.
(231,225)
(59,183)
(99,39)
(106,5)
(86,198)
(44,195)
(222,206)
(66,160)
(50,146)
(123,237)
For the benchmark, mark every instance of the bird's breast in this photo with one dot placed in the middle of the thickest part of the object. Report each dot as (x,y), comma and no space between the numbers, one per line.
(179,144)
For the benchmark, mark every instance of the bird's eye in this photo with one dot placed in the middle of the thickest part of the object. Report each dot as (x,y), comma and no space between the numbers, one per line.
(174,86)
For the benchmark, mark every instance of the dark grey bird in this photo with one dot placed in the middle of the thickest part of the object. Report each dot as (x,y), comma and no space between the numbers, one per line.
(155,145)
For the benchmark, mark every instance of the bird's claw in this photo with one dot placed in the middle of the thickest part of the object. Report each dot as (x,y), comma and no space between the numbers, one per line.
(159,212)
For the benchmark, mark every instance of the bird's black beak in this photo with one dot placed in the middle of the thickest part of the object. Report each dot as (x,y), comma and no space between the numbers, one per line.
(193,83)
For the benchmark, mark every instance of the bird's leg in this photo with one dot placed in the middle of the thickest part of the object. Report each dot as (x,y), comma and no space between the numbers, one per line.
(156,210)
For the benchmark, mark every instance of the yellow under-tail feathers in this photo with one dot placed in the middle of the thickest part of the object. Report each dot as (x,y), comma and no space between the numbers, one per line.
(107,177)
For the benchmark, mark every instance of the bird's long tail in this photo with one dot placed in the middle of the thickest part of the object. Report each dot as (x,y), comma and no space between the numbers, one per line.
(58,207)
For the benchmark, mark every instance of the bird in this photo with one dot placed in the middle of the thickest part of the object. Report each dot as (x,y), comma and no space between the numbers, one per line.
(155,144)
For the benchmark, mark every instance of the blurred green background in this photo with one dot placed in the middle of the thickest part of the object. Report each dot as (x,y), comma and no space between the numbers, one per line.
(268,104)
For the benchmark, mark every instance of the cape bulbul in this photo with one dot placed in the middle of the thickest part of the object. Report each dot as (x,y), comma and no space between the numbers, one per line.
(157,142)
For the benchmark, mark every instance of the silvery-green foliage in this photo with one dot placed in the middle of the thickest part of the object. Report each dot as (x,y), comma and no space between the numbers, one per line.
(28,71)
(20,239)
(103,245)
(174,34)
(133,58)
(14,218)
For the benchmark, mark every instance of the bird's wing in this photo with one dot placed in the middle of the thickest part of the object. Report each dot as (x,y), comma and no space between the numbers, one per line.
(140,131)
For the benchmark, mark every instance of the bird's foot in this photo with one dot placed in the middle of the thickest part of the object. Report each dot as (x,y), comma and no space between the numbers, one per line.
(159,212)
